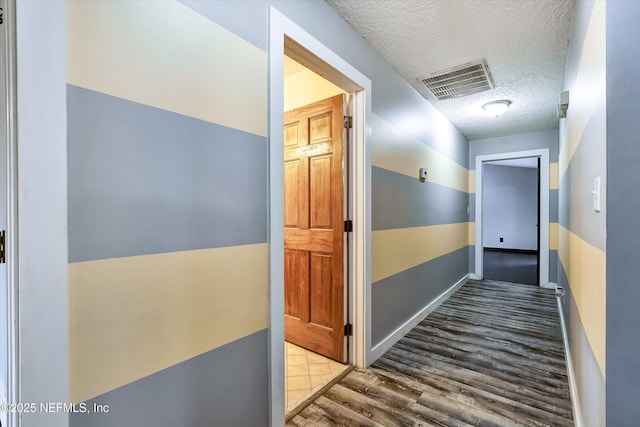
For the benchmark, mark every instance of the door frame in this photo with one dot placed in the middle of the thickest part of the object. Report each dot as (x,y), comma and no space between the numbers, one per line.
(543,210)
(9,166)
(287,36)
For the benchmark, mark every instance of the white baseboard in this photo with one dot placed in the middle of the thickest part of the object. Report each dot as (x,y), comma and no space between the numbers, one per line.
(549,285)
(474,276)
(573,386)
(384,345)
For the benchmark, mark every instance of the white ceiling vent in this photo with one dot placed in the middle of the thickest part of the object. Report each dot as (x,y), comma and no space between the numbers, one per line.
(459,81)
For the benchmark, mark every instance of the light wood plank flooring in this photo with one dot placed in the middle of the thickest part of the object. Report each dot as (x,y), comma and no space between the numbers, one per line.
(491,355)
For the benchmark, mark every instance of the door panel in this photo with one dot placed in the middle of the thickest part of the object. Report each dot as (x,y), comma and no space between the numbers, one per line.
(292,178)
(313,235)
(295,264)
(320,128)
(321,295)
(320,192)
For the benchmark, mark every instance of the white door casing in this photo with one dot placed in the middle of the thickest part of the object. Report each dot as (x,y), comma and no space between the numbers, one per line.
(543,206)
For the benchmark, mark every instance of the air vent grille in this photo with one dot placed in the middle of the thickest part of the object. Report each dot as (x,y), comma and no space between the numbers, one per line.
(459,81)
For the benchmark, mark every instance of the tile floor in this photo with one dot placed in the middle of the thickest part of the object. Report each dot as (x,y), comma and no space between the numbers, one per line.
(306,373)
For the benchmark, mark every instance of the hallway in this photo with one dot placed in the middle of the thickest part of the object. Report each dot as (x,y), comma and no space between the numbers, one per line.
(492,354)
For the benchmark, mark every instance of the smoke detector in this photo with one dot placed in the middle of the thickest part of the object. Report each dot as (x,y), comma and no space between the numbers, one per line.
(459,81)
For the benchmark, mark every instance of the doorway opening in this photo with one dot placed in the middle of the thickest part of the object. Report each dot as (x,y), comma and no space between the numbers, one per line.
(287,38)
(511,238)
(531,247)
(316,148)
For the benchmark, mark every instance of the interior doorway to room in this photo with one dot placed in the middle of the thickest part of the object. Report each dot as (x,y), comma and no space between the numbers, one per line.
(511,220)
(316,151)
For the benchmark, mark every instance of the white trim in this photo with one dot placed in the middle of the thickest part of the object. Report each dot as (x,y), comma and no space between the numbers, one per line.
(41,162)
(3,400)
(401,331)
(11,392)
(573,386)
(543,154)
(360,253)
(317,57)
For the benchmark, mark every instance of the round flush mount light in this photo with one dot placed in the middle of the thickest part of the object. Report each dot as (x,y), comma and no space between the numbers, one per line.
(496,108)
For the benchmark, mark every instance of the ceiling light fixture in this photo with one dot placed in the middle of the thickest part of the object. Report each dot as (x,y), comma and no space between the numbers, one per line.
(496,108)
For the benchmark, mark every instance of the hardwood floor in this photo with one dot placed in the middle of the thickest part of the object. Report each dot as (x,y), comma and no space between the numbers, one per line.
(510,266)
(491,355)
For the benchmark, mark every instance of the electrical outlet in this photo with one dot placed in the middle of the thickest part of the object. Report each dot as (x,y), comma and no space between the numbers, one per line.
(502,240)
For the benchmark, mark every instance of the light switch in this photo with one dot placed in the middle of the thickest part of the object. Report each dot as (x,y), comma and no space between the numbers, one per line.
(596,194)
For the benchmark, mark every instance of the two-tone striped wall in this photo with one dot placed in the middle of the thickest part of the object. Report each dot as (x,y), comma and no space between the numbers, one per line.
(168,280)
(623,227)
(512,143)
(419,229)
(581,230)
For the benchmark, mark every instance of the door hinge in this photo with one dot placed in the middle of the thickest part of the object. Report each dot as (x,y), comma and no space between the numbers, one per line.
(348,122)
(348,226)
(2,249)
(348,330)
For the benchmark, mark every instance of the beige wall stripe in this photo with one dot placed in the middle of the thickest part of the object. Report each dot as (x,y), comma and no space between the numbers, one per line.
(399,249)
(131,317)
(553,236)
(136,50)
(588,89)
(585,266)
(553,176)
(396,151)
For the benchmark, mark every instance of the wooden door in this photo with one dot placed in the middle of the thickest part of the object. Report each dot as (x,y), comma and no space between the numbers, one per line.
(314,227)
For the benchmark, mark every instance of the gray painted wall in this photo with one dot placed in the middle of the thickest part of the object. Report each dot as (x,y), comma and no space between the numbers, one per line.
(623,213)
(510,207)
(575,212)
(425,282)
(216,388)
(154,170)
(400,201)
(588,378)
(518,142)
(576,209)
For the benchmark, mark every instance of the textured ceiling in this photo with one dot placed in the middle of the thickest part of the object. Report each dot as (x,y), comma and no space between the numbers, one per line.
(523,41)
